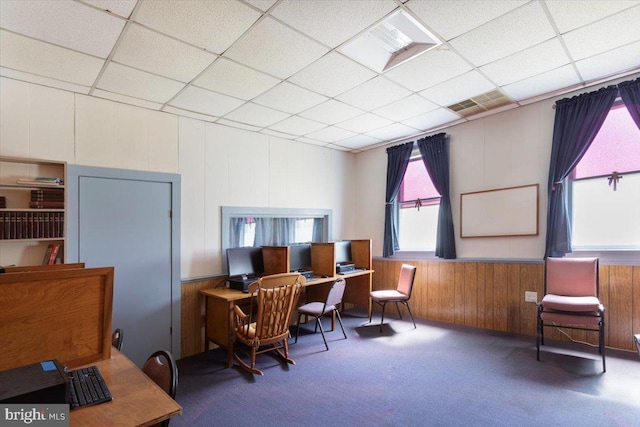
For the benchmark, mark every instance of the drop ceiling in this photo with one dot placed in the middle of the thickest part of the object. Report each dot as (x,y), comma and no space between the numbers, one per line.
(275,66)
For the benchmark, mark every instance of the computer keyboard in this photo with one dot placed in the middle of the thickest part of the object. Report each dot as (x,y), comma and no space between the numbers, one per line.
(88,387)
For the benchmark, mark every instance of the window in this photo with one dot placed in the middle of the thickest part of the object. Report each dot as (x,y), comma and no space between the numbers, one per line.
(605,189)
(418,204)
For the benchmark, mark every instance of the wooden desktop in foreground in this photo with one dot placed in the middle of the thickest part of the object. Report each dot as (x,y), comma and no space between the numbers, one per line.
(220,301)
(64,312)
(137,400)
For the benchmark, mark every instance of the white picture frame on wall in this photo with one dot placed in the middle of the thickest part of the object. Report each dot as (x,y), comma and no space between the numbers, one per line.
(510,211)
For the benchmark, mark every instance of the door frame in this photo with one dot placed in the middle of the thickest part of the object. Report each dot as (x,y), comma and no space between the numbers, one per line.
(72,223)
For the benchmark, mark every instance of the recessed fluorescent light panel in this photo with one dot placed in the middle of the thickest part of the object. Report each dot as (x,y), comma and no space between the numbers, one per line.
(391,42)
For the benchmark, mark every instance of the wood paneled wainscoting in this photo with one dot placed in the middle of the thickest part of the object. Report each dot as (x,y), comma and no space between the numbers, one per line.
(193,313)
(490,295)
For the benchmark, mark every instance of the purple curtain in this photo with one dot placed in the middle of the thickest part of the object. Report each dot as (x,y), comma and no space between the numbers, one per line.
(577,122)
(630,94)
(397,161)
(435,155)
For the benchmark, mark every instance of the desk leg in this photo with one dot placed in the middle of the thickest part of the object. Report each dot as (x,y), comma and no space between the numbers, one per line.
(230,335)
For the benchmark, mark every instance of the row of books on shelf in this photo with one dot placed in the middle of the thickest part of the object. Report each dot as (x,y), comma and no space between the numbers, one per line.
(47,199)
(31,225)
(3,202)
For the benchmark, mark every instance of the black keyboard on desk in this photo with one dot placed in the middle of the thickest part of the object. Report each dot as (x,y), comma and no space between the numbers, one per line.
(88,387)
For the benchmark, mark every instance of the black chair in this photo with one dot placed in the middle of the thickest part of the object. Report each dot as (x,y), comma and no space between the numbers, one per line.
(401,294)
(116,339)
(319,309)
(162,369)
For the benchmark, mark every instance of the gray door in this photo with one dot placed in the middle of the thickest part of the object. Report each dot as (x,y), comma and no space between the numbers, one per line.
(127,224)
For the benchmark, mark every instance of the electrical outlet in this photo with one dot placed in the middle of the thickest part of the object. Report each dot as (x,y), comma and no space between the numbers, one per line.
(531,297)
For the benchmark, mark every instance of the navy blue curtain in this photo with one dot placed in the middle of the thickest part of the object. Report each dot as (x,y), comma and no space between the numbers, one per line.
(397,161)
(577,122)
(435,155)
(630,94)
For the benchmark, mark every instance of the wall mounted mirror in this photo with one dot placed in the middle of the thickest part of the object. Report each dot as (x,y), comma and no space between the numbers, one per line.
(245,226)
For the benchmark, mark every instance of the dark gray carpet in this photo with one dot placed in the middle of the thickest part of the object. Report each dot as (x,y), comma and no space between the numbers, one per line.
(436,375)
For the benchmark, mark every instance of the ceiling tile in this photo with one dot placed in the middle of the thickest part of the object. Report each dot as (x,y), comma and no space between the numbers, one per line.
(296,125)
(185,113)
(126,99)
(429,69)
(233,79)
(611,62)
(271,132)
(43,59)
(128,81)
(331,112)
(357,141)
(339,148)
(332,75)
(517,30)
(410,106)
(289,98)
(263,5)
(373,94)
(212,25)
(43,81)
(344,18)
(571,14)
(205,101)
(529,62)
(432,119)
(119,7)
(256,115)
(452,18)
(458,89)
(238,125)
(68,24)
(393,131)
(275,49)
(330,134)
(311,141)
(150,51)
(364,123)
(617,30)
(543,83)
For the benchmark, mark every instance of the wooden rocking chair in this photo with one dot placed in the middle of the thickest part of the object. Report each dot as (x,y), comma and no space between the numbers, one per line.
(266,327)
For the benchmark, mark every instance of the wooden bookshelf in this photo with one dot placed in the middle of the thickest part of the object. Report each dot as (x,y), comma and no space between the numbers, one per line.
(33,213)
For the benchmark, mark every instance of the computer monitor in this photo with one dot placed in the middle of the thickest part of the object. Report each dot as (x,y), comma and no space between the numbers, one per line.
(300,257)
(245,261)
(343,251)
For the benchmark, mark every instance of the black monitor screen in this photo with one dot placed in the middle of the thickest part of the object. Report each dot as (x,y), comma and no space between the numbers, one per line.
(244,261)
(343,251)
(300,257)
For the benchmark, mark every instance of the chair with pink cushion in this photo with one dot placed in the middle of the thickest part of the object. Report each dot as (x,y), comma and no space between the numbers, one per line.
(401,294)
(571,299)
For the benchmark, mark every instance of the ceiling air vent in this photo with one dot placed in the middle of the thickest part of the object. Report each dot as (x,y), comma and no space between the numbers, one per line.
(480,103)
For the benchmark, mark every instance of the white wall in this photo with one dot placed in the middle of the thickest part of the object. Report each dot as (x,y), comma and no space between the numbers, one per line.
(220,166)
(506,149)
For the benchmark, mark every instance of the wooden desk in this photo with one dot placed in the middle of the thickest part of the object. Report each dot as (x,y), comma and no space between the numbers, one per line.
(220,301)
(137,400)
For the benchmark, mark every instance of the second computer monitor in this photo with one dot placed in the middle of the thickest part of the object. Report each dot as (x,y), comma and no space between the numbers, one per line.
(343,251)
(245,261)
(300,257)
